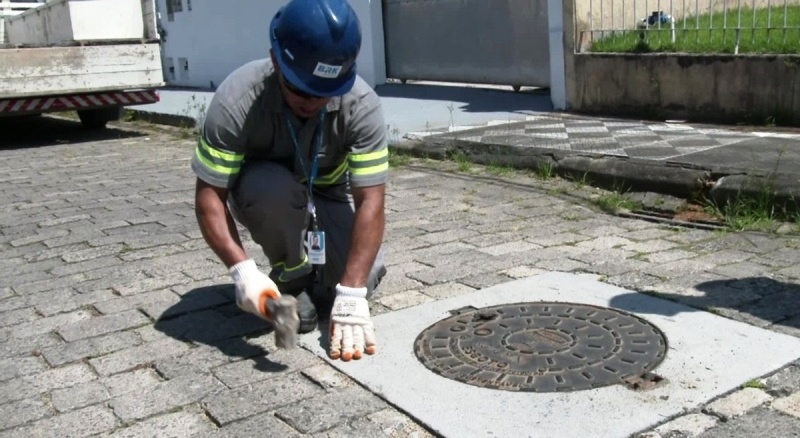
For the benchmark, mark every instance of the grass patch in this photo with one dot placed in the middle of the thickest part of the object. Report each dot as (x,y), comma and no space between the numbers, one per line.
(615,201)
(544,171)
(398,158)
(705,33)
(462,161)
(756,213)
(755,383)
(497,169)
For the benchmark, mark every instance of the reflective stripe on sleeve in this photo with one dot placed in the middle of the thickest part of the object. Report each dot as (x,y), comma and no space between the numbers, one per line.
(369,163)
(217,160)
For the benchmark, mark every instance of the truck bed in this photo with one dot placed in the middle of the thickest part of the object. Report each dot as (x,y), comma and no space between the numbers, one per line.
(43,71)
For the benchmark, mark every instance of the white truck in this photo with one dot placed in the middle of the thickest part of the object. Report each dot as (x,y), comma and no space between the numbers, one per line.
(94,57)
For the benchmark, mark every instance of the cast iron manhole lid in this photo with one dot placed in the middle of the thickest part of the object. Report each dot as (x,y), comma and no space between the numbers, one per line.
(542,347)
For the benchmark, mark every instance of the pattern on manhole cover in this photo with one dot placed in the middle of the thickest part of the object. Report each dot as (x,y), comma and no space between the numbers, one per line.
(541,347)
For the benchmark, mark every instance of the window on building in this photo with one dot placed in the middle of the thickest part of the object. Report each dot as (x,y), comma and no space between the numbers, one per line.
(173,6)
(170,69)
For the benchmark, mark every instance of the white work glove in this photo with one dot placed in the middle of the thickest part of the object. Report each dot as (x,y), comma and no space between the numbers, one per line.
(253,288)
(351,330)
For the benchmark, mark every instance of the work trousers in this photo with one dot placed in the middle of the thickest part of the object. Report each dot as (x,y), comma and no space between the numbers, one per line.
(273,206)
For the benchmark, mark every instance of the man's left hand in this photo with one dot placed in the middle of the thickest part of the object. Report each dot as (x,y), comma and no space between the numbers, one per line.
(351,331)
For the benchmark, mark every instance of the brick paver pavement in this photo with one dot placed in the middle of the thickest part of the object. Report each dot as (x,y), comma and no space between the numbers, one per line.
(116,320)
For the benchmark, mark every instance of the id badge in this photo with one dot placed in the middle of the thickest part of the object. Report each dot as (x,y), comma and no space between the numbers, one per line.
(316,247)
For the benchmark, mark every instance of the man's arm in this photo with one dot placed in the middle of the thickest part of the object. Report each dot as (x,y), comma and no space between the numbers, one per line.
(216,223)
(368,228)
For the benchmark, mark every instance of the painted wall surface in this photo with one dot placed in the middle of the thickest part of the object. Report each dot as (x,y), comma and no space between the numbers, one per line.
(206,40)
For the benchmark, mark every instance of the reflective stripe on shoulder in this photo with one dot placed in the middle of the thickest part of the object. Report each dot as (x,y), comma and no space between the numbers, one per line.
(369,163)
(218,160)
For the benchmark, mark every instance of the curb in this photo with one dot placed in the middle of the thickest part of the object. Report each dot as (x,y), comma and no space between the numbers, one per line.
(684,180)
(160,118)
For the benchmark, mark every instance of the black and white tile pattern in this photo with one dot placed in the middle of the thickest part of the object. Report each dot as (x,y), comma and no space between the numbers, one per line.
(626,138)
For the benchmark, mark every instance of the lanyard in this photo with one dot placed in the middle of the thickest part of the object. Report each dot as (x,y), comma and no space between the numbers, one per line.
(312,174)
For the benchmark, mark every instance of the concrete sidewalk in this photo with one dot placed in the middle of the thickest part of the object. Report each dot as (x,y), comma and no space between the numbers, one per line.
(675,158)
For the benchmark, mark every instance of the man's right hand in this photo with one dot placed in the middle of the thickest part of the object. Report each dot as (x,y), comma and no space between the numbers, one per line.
(253,289)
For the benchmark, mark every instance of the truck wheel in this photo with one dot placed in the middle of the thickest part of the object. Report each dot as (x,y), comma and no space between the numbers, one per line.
(98,118)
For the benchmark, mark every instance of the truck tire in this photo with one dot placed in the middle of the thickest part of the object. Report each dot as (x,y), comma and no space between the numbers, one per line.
(98,118)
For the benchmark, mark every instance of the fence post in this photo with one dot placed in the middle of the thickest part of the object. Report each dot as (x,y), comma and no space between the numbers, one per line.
(558,74)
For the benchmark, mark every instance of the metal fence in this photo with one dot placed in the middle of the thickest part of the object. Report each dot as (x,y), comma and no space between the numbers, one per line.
(700,26)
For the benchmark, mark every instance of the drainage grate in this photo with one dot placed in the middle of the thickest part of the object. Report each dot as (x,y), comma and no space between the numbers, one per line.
(542,347)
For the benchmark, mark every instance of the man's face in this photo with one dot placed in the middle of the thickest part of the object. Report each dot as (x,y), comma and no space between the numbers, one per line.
(302,104)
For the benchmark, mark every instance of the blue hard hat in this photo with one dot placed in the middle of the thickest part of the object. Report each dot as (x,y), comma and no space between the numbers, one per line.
(316,43)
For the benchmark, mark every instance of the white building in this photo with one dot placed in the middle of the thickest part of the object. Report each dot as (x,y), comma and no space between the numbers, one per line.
(205,40)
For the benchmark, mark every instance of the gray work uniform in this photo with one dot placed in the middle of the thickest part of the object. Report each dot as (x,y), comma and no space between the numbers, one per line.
(247,146)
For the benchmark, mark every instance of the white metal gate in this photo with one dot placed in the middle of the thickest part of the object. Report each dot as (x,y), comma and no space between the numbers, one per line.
(502,42)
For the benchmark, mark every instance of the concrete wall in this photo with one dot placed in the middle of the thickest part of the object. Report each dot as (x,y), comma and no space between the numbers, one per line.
(696,87)
(204,44)
(713,88)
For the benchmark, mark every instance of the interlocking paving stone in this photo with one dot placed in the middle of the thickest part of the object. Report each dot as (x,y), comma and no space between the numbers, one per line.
(326,376)
(784,382)
(55,302)
(18,316)
(263,424)
(264,367)
(124,360)
(22,411)
(101,325)
(121,304)
(90,348)
(244,401)
(690,425)
(78,396)
(79,423)
(174,424)
(197,360)
(132,381)
(446,290)
(21,366)
(761,422)
(737,403)
(401,300)
(323,412)
(28,386)
(396,424)
(32,345)
(788,405)
(165,396)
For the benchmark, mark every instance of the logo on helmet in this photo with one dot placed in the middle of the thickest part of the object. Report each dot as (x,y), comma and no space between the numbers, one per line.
(327,71)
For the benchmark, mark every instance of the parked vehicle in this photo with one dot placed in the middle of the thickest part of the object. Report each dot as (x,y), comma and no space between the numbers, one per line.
(90,56)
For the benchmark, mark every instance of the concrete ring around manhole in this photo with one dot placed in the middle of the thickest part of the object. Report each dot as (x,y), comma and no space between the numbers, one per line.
(543,347)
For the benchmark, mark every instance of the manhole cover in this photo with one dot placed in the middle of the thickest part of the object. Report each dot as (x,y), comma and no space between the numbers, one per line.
(541,347)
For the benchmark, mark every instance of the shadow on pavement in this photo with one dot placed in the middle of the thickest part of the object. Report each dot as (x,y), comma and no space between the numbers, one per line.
(473,99)
(38,131)
(759,301)
(209,315)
